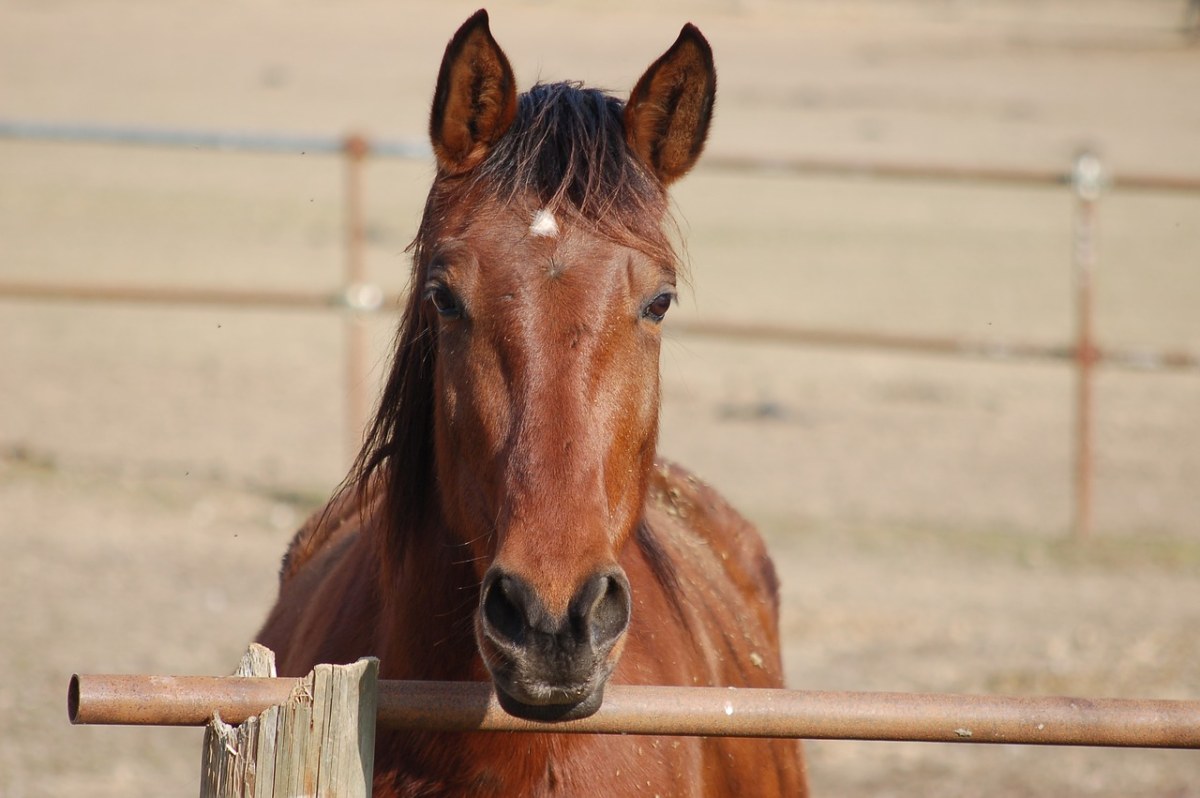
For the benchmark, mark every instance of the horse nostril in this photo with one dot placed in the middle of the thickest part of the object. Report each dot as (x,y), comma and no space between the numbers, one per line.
(601,609)
(505,608)
(515,619)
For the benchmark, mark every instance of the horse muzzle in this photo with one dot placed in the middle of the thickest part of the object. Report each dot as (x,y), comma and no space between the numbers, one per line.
(547,666)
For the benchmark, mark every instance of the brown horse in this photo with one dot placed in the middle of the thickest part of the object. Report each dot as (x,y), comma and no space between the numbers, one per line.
(507,519)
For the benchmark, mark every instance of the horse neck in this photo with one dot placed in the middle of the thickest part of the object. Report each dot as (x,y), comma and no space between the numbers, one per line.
(428,599)
(427,632)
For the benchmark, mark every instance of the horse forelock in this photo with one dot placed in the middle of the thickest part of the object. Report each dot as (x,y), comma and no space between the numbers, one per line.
(566,153)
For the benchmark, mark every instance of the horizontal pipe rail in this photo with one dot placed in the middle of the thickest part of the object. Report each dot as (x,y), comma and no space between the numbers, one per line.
(1140,359)
(218,140)
(231,141)
(684,711)
(352,297)
(941,172)
(372,299)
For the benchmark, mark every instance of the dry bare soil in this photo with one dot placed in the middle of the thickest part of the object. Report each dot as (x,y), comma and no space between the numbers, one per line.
(154,461)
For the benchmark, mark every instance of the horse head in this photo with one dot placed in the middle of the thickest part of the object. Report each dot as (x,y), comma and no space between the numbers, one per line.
(542,275)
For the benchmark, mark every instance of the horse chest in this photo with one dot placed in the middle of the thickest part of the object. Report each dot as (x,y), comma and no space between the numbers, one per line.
(560,766)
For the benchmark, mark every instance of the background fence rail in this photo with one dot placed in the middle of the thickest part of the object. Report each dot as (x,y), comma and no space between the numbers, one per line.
(1086,178)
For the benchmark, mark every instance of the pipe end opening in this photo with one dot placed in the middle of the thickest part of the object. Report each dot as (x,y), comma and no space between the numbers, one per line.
(73,699)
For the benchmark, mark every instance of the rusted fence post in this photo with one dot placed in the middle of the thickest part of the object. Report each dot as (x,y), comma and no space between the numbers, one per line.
(318,743)
(1087,180)
(359,295)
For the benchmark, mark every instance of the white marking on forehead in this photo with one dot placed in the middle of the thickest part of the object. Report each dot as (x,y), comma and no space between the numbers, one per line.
(544,224)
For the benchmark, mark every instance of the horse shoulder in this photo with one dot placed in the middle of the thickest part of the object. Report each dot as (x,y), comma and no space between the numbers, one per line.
(342,515)
(705,514)
(726,580)
(714,567)
(324,608)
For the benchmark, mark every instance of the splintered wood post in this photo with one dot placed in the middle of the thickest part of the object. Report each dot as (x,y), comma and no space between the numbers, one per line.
(230,764)
(320,742)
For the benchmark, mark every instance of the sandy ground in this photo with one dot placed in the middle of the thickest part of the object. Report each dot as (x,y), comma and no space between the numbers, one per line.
(154,461)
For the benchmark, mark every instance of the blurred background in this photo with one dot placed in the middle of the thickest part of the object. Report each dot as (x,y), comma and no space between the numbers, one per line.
(884,212)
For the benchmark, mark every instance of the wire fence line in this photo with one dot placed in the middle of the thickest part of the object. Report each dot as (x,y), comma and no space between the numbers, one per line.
(419,149)
(1086,178)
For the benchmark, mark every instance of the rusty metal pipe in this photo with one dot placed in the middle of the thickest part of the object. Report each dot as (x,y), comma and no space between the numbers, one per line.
(757,332)
(171,700)
(685,711)
(358,404)
(351,297)
(166,295)
(933,171)
(418,149)
(1087,181)
(366,298)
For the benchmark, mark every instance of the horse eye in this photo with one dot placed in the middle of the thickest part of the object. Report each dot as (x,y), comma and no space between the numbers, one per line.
(658,307)
(443,301)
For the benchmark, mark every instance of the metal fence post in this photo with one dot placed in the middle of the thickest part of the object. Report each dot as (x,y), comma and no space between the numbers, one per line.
(359,295)
(1087,181)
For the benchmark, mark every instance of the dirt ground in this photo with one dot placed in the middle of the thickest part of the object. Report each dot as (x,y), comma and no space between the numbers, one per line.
(154,461)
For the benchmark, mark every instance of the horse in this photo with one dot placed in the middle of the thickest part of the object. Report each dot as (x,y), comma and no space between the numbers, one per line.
(507,519)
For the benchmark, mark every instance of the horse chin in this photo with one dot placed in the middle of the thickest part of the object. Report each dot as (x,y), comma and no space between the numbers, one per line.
(554,711)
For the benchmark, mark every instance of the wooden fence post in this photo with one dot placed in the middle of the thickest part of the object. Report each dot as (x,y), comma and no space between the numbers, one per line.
(321,742)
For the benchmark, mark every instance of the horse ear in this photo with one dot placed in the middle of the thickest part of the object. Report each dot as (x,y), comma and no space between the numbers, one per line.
(475,100)
(669,110)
